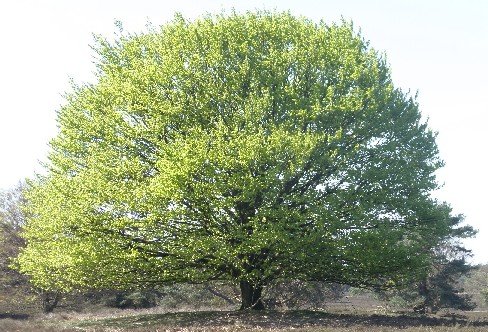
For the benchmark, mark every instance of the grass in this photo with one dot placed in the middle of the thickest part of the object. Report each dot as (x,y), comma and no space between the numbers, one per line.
(297,321)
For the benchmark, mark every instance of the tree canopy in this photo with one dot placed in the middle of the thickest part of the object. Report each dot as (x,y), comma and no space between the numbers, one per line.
(244,147)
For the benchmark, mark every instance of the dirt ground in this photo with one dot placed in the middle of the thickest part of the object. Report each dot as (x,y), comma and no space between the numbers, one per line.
(314,321)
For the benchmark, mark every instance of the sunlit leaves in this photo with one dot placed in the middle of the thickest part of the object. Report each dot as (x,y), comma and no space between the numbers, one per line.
(243,147)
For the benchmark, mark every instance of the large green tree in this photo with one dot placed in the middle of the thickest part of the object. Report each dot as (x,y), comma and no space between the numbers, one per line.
(247,148)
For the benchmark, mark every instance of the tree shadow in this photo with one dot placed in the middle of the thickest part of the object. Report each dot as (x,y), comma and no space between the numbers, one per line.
(285,319)
(14,316)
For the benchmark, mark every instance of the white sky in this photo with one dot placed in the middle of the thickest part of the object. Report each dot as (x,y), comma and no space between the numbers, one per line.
(437,47)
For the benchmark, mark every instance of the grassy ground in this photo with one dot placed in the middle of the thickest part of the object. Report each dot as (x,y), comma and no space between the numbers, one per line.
(297,321)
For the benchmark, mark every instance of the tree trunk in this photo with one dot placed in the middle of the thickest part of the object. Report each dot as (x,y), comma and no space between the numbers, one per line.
(49,301)
(429,304)
(251,296)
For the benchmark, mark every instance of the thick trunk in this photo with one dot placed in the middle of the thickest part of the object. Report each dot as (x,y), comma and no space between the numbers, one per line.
(251,296)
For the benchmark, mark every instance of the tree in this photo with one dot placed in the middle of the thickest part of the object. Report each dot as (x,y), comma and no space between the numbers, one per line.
(11,219)
(441,287)
(14,286)
(11,216)
(249,148)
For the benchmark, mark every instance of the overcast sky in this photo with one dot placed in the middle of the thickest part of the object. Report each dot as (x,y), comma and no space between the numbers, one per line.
(438,48)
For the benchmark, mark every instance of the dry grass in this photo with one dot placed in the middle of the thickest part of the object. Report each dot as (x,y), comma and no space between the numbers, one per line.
(235,321)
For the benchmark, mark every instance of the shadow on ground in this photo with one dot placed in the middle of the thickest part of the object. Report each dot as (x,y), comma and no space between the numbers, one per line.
(14,316)
(276,319)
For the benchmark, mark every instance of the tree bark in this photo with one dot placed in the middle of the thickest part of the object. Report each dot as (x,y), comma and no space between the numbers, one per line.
(49,301)
(251,296)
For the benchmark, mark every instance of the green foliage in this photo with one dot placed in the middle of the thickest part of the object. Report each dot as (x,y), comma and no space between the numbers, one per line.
(445,289)
(442,286)
(248,148)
